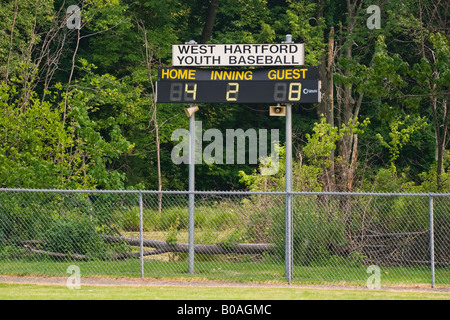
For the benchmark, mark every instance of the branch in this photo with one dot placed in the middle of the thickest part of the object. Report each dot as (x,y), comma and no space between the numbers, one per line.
(443,93)
(30,245)
(11,39)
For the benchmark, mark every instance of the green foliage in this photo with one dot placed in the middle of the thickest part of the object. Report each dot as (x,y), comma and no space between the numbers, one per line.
(38,151)
(242,21)
(441,44)
(234,238)
(173,233)
(401,136)
(386,74)
(357,258)
(322,143)
(25,16)
(306,172)
(324,140)
(29,143)
(306,26)
(75,235)
(428,179)
(98,130)
(317,234)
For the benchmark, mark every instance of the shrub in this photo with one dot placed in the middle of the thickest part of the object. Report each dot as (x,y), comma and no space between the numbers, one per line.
(75,236)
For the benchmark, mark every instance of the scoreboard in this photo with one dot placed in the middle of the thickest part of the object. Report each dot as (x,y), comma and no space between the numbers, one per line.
(302,91)
(276,85)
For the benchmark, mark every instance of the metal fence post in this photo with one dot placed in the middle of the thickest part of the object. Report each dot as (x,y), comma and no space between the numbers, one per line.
(191,190)
(191,114)
(430,205)
(141,234)
(288,182)
(288,236)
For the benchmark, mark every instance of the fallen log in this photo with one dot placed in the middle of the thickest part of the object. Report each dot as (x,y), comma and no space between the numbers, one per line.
(59,255)
(158,246)
(163,246)
(122,256)
(392,234)
(76,256)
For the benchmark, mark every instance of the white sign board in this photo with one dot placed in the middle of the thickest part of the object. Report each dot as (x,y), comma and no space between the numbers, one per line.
(203,55)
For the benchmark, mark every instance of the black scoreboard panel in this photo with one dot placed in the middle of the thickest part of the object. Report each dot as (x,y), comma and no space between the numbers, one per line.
(293,91)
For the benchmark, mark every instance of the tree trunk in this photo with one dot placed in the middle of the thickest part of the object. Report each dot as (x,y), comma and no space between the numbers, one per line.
(163,246)
(149,63)
(348,109)
(440,137)
(326,106)
(210,19)
(433,16)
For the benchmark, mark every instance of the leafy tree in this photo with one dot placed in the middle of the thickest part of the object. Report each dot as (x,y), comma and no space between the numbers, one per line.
(97,84)
(39,150)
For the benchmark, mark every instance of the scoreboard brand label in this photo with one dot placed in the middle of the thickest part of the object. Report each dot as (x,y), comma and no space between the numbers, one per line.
(274,74)
(285,54)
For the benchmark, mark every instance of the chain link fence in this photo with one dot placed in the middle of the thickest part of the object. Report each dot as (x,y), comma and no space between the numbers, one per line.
(335,238)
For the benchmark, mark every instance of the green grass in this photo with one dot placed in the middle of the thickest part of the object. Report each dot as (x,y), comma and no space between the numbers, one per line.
(242,271)
(53,292)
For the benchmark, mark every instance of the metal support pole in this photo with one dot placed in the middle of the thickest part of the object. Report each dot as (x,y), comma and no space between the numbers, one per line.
(288,253)
(141,235)
(288,245)
(191,189)
(430,204)
(191,242)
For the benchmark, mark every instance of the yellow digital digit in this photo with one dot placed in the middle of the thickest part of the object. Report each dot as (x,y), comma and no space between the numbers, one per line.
(295,91)
(190,91)
(232,91)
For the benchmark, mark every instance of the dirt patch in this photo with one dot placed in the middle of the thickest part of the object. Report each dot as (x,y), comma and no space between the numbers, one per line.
(99,281)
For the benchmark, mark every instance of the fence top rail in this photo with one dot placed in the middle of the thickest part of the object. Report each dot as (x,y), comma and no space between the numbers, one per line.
(319,193)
